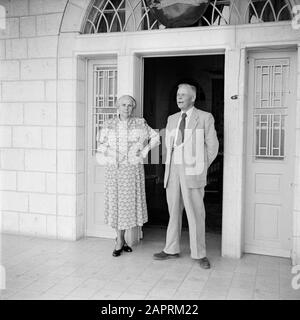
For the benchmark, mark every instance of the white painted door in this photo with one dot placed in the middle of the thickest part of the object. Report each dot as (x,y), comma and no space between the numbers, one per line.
(269,153)
(102,94)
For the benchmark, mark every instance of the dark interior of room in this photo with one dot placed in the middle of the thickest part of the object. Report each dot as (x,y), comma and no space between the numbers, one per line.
(161,78)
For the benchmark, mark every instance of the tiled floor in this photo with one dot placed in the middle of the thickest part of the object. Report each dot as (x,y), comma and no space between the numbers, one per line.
(54,269)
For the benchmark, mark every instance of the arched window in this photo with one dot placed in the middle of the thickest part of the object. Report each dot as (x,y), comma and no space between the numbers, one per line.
(269,11)
(134,15)
(119,16)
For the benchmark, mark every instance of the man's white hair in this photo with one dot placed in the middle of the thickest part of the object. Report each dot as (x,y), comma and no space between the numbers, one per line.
(192,88)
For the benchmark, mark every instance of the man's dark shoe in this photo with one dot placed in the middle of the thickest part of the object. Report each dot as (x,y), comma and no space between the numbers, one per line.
(164,256)
(117,253)
(204,263)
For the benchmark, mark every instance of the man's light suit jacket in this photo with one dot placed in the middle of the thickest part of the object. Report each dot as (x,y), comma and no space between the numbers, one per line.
(199,149)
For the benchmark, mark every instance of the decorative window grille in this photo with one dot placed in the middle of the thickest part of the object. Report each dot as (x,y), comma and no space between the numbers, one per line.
(104,98)
(271,80)
(270,109)
(270,136)
(133,15)
(269,10)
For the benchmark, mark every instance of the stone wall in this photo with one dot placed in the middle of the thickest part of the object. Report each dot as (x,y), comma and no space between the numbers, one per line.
(41,122)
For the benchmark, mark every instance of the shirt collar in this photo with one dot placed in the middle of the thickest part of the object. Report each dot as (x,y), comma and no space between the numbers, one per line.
(189,112)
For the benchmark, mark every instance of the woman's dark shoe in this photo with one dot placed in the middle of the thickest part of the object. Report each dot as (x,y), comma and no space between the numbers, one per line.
(126,247)
(117,252)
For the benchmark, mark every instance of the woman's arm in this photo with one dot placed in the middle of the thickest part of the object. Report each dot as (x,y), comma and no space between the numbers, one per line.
(103,145)
(154,140)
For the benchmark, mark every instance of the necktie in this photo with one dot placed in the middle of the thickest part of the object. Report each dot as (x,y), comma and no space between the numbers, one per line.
(180,136)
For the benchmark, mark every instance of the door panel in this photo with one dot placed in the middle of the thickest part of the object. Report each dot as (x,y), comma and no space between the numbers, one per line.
(102,94)
(270,143)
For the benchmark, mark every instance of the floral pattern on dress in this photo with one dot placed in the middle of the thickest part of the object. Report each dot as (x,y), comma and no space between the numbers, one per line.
(125,197)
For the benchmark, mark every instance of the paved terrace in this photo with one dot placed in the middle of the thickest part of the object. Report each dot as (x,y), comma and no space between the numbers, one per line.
(53,269)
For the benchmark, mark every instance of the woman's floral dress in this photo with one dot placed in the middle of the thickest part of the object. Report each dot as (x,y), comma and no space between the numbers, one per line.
(125,198)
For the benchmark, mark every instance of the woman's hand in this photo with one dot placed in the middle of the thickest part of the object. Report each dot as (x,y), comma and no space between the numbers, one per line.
(138,153)
(142,153)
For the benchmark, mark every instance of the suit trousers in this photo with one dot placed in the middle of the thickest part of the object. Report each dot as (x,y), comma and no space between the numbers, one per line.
(179,196)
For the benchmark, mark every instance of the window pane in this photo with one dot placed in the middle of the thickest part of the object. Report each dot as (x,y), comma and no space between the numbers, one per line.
(269,136)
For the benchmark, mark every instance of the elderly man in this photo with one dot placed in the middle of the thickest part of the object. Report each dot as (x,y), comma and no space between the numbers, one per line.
(192,145)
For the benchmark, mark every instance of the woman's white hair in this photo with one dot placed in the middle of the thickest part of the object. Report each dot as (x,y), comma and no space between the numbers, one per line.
(128,97)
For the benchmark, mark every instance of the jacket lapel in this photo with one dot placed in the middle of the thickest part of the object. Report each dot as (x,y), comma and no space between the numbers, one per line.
(173,127)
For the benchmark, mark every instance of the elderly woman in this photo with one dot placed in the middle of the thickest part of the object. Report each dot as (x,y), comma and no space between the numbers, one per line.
(123,143)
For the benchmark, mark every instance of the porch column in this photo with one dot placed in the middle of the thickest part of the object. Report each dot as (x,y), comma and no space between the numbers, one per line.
(129,82)
(234,142)
(296,209)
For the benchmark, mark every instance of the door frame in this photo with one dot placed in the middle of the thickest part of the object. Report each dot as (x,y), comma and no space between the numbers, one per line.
(137,233)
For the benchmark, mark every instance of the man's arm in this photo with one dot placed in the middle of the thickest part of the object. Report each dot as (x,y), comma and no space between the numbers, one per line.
(165,145)
(211,139)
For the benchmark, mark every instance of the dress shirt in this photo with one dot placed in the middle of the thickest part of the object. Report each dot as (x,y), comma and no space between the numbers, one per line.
(187,119)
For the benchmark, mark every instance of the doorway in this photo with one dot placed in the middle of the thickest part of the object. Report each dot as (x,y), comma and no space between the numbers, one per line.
(161,78)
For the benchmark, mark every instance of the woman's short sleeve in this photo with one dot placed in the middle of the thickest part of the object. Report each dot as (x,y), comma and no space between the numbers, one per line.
(151,133)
